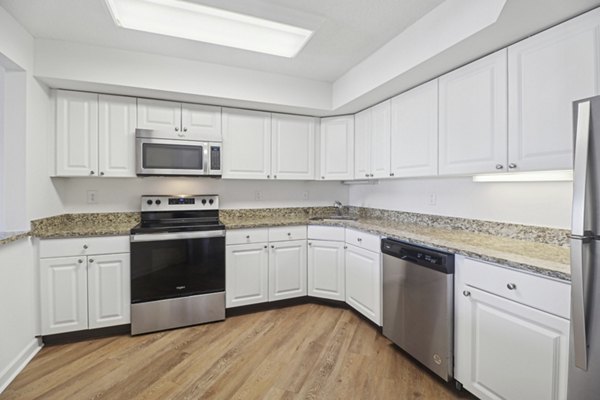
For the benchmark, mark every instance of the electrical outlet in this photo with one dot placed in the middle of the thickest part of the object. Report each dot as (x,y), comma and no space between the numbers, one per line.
(432,199)
(92,196)
(305,195)
(258,195)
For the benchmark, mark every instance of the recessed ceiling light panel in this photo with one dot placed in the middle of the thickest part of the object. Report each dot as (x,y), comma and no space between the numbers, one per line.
(193,21)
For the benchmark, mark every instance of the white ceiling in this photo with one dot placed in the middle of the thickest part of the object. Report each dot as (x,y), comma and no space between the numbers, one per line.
(349,31)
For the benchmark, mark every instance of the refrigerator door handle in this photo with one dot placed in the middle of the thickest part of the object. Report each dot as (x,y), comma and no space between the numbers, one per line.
(579,269)
(580,170)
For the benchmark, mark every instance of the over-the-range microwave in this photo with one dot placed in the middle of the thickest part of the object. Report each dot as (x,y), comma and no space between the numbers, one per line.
(159,154)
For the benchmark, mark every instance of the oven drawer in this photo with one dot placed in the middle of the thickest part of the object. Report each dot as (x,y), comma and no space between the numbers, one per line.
(364,240)
(245,236)
(83,246)
(284,233)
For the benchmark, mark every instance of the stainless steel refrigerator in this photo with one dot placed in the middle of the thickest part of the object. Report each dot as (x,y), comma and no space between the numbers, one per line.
(584,358)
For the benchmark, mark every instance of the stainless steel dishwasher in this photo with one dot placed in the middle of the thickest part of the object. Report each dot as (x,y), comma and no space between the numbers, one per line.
(418,302)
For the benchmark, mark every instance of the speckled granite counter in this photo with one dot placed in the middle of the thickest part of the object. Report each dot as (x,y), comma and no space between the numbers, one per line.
(539,250)
(8,237)
(80,225)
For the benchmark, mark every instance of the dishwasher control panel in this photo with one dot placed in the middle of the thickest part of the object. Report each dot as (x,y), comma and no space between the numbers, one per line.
(424,256)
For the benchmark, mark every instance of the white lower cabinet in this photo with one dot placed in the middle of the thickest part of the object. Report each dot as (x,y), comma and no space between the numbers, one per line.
(287,270)
(506,348)
(326,269)
(84,290)
(246,274)
(363,282)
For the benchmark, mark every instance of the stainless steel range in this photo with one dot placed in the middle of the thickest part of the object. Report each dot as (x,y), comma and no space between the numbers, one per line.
(177,263)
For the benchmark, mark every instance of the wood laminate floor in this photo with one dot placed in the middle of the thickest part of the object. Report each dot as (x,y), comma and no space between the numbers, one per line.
(307,351)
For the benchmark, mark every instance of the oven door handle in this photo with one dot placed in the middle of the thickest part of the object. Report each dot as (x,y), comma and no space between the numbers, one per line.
(155,237)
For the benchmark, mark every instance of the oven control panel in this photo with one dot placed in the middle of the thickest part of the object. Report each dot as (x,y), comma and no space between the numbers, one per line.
(180,202)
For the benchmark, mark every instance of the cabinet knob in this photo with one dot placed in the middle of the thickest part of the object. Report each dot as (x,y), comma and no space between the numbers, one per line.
(309,243)
(511,286)
(366,175)
(499,166)
(512,165)
(371,175)
(247,236)
(466,293)
(85,246)
(391,174)
(289,233)
(274,176)
(80,261)
(92,172)
(185,129)
(345,247)
(265,246)
(176,129)
(272,246)
(101,173)
(268,176)
(322,177)
(91,260)
(359,239)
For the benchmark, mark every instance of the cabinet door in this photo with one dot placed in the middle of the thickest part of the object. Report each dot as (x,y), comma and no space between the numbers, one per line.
(116,138)
(246,274)
(380,140)
(337,148)
(547,72)
(109,297)
(246,144)
(473,117)
(414,142)
(159,115)
(326,270)
(200,122)
(362,144)
(506,350)
(64,306)
(363,282)
(293,147)
(76,133)
(287,270)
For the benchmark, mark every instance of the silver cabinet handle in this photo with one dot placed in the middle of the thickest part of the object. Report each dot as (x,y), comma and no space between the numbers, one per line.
(512,165)
(511,286)
(91,260)
(466,293)
(80,261)
(92,172)
(176,129)
(499,166)
(85,246)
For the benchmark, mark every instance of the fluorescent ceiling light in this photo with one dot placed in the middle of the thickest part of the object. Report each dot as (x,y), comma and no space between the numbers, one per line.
(537,176)
(193,21)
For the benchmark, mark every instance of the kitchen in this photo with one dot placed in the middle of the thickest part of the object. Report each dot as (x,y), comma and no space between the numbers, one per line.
(487,181)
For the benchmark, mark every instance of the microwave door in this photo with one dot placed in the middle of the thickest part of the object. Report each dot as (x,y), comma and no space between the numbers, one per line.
(170,157)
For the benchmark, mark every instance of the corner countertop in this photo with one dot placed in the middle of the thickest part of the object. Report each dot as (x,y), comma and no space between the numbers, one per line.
(9,237)
(544,259)
(83,225)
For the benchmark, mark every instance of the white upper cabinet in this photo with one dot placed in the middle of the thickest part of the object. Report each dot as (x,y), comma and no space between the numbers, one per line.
(116,139)
(547,72)
(473,117)
(336,148)
(372,142)
(76,133)
(293,147)
(414,137)
(159,115)
(246,144)
(200,122)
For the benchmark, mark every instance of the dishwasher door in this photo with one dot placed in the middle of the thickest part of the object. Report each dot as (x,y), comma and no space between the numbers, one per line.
(418,304)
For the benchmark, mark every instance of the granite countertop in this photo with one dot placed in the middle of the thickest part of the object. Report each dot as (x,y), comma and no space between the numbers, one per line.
(540,258)
(8,237)
(82,225)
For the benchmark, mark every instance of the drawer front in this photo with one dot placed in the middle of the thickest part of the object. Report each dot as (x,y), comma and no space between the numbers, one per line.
(72,247)
(363,240)
(531,290)
(284,233)
(246,236)
(335,233)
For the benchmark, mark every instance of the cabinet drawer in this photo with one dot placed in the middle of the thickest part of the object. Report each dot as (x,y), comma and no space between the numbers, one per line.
(83,246)
(245,236)
(531,290)
(282,233)
(364,240)
(326,233)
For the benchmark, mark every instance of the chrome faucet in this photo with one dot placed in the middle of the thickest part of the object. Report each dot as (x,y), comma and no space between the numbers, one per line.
(338,205)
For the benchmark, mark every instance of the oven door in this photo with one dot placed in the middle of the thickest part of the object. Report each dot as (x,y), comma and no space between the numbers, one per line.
(171,157)
(169,265)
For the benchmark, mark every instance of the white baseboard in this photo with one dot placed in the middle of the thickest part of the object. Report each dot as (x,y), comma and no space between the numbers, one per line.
(20,361)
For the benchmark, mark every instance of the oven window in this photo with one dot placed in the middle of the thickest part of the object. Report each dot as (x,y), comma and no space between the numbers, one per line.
(172,156)
(176,268)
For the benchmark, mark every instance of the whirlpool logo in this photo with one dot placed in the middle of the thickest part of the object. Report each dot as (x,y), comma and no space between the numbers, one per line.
(179,287)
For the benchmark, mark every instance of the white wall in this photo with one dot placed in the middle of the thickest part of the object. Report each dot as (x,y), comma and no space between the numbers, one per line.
(539,203)
(124,194)
(19,301)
